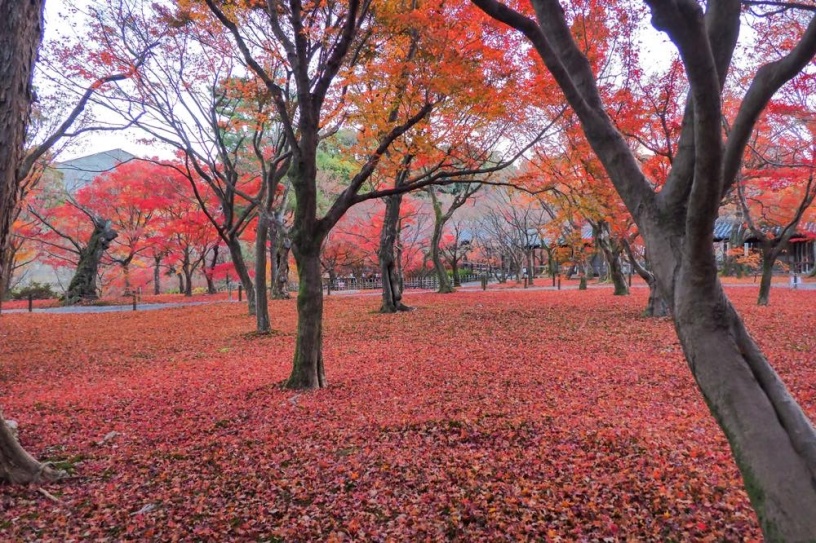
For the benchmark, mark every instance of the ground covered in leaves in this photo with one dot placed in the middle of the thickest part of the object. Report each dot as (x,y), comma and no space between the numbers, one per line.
(501,416)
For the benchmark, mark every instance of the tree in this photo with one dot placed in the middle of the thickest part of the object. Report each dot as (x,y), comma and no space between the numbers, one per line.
(20,35)
(775,187)
(461,194)
(772,440)
(193,94)
(455,249)
(325,48)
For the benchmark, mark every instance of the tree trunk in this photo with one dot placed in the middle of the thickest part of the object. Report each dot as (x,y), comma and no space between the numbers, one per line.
(389,263)
(8,265)
(20,35)
(616,273)
(16,465)
(83,284)
(180,278)
(307,370)
(280,277)
(457,281)
(611,250)
(126,274)
(530,267)
(441,273)
(769,256)
(773,442)
(208,274)
(156,275)
(262,324)
(656,306)
(234,246)
(582,275)
(188,281)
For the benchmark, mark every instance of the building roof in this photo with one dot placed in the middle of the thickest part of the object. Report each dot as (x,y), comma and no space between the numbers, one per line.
(78,172)
(725,228)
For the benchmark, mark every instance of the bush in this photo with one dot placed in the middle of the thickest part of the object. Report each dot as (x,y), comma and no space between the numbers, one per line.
(37,291)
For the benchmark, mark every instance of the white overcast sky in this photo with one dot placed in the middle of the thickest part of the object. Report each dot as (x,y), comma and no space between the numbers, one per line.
(64,18)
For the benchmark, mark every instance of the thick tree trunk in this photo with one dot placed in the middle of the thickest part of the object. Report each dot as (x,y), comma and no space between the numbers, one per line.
(616,273)
(307,370)
(441,273)
(769,257)
(211,289)
(180,277)
(234,246)
(20,35)
(188,281)
(611,249)
(126,275)
(656,306)
(389,263)
(83,284)
(157,275)
(280,276)
(773,442)
(262,324)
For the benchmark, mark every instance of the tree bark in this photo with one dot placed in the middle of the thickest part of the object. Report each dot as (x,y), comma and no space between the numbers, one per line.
(772,440)
(440,219)
(445,286)
(769,256)
(208,274)
(307,369)
(157,274)
(262,324)
(126,274)
(234,247)
(454,264)
(20,36)
(657,305)
(280,269)
(83,284)
(389,264)
(612,254)
(19,467)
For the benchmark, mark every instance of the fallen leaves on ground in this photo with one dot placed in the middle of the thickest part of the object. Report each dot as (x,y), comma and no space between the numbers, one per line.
(502,416)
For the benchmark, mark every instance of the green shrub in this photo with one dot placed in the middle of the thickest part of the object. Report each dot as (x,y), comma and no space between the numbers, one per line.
(37,291)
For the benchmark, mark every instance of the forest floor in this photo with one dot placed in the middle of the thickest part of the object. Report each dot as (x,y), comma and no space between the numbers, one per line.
(501,416)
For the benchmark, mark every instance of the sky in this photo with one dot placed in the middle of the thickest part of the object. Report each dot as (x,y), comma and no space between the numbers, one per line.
(65,19)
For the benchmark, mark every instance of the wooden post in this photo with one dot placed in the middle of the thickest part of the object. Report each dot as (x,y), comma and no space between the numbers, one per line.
(559,282)
(30,302)
(134,302)
(240,289)
(525,281)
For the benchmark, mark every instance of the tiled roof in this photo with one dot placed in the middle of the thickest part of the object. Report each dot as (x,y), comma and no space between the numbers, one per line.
(725,228)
